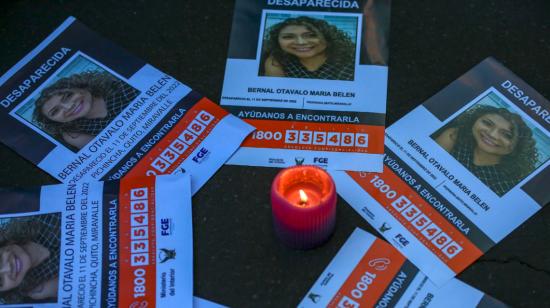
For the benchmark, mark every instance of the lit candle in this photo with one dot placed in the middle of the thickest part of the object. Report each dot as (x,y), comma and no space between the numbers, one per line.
(303,202)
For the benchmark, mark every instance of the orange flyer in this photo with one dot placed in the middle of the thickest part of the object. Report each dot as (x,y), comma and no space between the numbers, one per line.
(368,272)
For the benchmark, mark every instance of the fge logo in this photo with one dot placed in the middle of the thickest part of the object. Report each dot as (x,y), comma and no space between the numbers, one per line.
(320,160)
(402,240)
(201,155)
(165,226)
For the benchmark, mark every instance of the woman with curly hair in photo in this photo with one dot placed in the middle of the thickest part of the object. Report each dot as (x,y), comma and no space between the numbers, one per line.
(29,259)
(493,143)
(77,108)
(305,47)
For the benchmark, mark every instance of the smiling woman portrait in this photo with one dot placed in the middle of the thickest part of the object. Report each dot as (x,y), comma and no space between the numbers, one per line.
(493,143)
(77,108)
(29,259)
(305,47)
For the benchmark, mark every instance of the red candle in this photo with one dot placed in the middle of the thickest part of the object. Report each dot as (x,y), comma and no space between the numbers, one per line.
(303,202)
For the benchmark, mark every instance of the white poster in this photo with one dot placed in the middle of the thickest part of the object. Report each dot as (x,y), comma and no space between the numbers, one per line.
(121,243)
(461,171)
(368,272)
(81,108)
(311,76)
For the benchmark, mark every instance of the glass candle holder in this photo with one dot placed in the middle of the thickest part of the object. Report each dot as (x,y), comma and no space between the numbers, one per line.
(303,203)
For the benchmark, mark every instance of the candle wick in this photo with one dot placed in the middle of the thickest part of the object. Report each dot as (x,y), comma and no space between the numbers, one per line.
(303,197)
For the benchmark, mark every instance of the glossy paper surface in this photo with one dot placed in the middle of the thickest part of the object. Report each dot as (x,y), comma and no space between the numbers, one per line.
(368,272)
(460,172)
(311,76)
(81,108)
(118,243)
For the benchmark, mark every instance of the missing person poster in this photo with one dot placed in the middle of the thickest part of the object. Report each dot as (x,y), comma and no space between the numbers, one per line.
(311,76)
(368,272)
(460,172)
(81,108)
(124,243)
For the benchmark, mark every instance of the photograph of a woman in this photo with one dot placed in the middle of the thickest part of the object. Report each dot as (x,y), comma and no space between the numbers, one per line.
(29,259)
(78,107)
(306,47)
(493,143)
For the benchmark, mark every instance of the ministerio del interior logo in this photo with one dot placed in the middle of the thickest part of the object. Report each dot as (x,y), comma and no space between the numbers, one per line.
(384,227)
(166,254)
(314,297)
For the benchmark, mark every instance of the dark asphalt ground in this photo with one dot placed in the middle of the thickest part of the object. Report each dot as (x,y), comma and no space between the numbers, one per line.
(238,260)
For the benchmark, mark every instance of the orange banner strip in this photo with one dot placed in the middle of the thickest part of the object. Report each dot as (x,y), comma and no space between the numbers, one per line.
(425,222)
(316,136)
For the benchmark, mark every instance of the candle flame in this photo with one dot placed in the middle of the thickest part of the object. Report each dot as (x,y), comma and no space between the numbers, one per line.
(303,197)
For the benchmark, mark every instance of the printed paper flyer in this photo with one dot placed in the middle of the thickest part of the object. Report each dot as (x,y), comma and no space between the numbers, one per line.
(311,76)
(82,108)
(461,171)
(203,303)
(121,243)
(368,272)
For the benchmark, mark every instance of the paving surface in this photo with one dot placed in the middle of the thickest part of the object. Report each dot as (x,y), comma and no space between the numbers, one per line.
(238,260)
